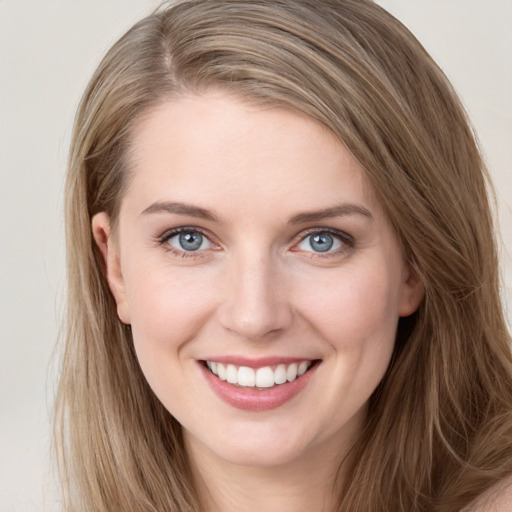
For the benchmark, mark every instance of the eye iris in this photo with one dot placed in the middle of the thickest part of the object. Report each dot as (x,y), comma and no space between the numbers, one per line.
(191,241)
(321,242)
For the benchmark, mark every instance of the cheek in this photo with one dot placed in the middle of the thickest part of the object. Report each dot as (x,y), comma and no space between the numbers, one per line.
(167,309)
(167,312)
(354,307)
(356,313)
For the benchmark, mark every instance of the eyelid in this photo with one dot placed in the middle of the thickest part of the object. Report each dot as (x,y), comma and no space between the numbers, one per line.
(170,233)
(346,239)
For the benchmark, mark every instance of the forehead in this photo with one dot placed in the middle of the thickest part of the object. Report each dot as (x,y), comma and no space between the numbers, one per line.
(216,144)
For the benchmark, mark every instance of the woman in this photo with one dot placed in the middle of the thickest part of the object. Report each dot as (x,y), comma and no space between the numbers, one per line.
(283,286)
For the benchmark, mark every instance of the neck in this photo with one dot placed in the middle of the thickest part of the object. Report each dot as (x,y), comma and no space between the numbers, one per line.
(311,481)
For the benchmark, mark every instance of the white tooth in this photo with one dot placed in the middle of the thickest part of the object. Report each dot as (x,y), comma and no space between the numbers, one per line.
(213,367)
(221,371)
(209,364)
(264,377)
(246,376)
(280,374)
(231,374)
(291,372)
(302,368)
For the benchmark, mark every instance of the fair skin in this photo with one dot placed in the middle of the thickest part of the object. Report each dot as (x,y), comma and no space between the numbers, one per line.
(249,237)
(497,498)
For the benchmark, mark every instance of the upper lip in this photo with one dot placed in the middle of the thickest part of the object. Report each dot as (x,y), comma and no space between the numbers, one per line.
(259,362)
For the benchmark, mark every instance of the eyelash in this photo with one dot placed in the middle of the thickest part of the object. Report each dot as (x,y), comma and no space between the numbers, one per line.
(165,237)
(346,240)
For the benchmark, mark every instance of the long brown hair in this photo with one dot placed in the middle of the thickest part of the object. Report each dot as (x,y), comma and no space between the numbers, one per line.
(439,428)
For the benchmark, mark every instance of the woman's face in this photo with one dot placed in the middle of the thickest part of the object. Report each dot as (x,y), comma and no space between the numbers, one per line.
(250,241)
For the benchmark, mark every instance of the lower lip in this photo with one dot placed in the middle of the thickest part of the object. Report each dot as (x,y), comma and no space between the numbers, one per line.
(252,399)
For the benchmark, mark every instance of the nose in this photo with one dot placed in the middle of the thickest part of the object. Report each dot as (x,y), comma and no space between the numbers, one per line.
(256,305)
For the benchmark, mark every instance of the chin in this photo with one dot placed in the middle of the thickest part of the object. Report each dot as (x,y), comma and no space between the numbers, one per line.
(260,444)
(259,456)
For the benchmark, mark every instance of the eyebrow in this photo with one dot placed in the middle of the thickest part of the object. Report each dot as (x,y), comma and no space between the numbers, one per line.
(301,218)
(181,209)
(340,210)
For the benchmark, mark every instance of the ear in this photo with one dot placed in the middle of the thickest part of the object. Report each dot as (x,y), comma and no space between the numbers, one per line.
(102,234)
(413,291)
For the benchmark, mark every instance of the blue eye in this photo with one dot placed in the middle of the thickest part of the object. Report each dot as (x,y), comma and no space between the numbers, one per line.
(321,242)
(189,241)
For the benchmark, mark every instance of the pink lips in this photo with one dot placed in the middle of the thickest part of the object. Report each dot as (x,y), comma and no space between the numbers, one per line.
(254,399)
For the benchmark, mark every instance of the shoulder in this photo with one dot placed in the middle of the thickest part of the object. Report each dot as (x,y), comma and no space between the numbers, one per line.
(498,498)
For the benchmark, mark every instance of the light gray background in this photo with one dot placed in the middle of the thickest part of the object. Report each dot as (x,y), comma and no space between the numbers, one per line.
(48,51)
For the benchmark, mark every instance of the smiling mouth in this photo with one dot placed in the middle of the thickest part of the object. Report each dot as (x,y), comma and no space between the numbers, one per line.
(259,378)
